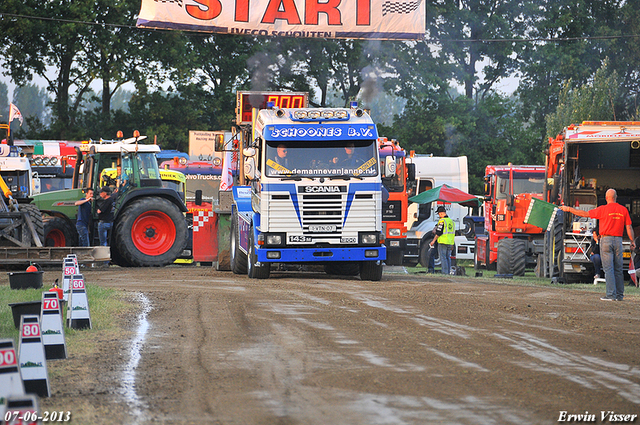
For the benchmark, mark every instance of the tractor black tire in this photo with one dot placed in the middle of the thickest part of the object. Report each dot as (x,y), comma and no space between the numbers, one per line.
(59,232)
(255,271)
(511,256)
(36,218)
(238,258)
(149,232)
(371,270)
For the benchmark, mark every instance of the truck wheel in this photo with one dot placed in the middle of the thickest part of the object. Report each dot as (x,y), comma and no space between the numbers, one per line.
(371,270)
(425,252)
(504,256)
(558,238)
(512,256)
(519,257)
(238,258)
(255,271)
(59,232)
(342,268)
(149,232)
(36,218)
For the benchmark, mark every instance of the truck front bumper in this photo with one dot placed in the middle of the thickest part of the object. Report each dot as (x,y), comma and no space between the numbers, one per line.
(309,255)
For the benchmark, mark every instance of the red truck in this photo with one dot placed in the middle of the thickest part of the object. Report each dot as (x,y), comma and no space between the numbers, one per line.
(509,244)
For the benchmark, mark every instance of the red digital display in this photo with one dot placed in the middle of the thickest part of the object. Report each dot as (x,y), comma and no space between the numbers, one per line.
(249,100)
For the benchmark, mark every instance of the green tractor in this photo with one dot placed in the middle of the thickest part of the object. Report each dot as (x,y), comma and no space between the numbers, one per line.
(149,228)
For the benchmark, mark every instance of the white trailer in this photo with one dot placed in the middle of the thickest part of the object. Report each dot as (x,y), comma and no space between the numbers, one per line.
(433,171)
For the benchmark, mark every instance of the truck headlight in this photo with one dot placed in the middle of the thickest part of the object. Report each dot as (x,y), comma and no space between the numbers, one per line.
(273,239)
(368,238)
(500,217)
(394,232)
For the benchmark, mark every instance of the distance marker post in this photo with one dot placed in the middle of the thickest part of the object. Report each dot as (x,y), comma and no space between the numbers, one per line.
(55,346)
(68,270)
(10,379)
(22,410)
(78,316)
(31,358)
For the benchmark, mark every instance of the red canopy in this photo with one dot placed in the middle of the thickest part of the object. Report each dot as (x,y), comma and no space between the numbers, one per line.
(446,193)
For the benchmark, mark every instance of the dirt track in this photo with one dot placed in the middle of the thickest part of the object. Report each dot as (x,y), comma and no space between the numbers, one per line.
(309,349)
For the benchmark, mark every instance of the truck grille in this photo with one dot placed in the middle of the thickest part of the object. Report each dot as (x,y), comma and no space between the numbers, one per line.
(322,214)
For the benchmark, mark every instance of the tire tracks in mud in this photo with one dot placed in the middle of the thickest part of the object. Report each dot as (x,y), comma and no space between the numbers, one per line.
(301,348)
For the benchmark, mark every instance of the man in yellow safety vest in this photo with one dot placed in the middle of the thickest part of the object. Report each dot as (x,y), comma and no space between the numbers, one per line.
(445,232)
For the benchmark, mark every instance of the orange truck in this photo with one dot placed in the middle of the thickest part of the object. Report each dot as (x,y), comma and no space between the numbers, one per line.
(398,178)
(508,244)
(582,162)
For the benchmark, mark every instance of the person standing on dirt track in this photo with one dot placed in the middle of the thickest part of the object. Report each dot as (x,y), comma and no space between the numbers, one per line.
(613,219)
(445,232)
(105,215)
(85,219)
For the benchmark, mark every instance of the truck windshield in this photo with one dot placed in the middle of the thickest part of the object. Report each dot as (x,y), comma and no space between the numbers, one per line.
(322,159)
(523,182)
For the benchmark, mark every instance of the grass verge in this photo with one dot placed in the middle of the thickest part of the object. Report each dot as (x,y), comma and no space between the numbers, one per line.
(529,279)
(108,308)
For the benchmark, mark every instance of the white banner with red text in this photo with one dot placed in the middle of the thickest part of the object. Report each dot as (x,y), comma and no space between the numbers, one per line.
(356,19)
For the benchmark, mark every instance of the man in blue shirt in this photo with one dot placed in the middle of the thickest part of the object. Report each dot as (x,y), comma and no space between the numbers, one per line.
(84,220)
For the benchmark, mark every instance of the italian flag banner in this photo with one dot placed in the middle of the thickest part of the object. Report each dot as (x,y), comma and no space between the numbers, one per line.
(541,214)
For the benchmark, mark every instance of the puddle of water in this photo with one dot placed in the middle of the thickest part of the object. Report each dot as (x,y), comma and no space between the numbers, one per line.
(132,399)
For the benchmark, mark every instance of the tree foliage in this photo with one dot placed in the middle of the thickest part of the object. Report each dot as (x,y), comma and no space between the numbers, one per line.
(439,95)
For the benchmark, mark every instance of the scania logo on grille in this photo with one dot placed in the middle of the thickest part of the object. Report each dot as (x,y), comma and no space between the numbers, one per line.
(323,189)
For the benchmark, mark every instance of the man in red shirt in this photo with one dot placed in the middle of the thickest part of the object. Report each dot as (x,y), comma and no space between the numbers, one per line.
(614,218)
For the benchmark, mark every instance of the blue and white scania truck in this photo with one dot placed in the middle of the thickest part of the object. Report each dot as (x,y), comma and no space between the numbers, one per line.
(313,193)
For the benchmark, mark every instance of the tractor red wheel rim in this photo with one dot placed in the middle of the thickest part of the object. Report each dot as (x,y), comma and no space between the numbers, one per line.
(56,236)
(153,233)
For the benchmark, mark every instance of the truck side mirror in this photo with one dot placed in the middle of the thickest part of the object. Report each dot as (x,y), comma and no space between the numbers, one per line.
(250,168)
(411,172)
(389,166)
(487,188)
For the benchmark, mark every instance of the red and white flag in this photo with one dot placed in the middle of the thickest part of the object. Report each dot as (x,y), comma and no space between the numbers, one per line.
(14,113)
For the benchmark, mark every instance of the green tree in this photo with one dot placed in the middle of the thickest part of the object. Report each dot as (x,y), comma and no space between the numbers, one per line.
(546,67)
(32,101)
(593,101)
(4,103)
(33,46)
(464,30)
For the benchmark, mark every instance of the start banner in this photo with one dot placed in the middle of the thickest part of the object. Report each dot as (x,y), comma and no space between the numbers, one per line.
(356,19)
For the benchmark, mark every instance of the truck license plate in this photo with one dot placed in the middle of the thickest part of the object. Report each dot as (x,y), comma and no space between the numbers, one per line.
(322,228)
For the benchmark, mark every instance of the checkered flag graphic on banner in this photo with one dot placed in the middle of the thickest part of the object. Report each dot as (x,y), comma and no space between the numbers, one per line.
(178,2)
(399,7)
